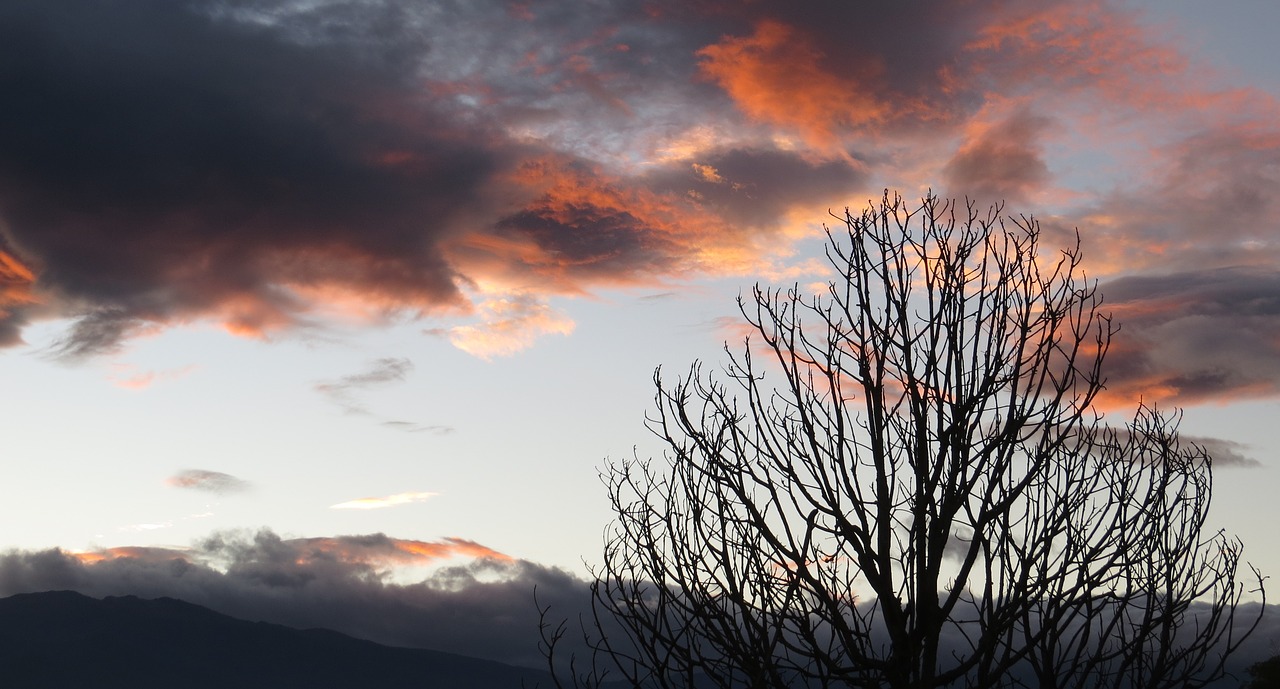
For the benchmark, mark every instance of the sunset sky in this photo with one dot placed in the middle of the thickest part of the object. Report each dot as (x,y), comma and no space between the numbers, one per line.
(385,283)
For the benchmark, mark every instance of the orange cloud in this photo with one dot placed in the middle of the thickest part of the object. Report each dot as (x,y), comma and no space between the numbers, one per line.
(16,279)
(1079,45)
(142,553)
(379,550)
(17,283)
(585,228)
(372,551)
(707,173)
(775,75)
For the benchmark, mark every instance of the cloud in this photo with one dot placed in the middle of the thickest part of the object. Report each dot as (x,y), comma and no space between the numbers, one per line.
(776,75)
(1000,161)
(17,281)
(482,608)
(380,372)
(129,377)
(411,427)
(208,481)
(344,392)
(756,188)
(1172,348)
(1208,202)
(275,166)
(788,66)
(1072,47)
(1225,453)
(379,503)
(507,326)
(221,168)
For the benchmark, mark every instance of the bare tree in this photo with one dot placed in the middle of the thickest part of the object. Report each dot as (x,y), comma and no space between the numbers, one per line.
(905,483)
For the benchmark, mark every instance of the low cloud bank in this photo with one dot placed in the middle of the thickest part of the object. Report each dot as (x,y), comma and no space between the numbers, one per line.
(483,608)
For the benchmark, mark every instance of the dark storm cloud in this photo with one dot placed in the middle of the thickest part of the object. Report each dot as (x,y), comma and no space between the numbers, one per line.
(1195,336)
(483,609)
(157,162)
(209,481)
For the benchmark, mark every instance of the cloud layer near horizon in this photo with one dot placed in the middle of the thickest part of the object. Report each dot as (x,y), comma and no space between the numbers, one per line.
(480,605)
(273,167)
(483,607)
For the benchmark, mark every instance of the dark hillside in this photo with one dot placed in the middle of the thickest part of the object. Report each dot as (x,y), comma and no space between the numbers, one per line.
(62,639)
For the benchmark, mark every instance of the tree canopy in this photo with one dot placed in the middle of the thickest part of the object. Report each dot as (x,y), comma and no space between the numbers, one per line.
(906,482)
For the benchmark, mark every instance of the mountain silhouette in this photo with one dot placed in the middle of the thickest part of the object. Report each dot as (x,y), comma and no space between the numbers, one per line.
(62,639)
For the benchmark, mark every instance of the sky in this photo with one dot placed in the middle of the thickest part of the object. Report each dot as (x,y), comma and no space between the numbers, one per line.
(325,295)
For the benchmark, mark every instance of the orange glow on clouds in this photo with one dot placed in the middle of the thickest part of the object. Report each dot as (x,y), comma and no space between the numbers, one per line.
(381,550)
(776,76)
(1081,44)
(554,243)
(379,503)
(13,271)
(146,554)
(129,377)
(508,325)
(17,281)
(376,550)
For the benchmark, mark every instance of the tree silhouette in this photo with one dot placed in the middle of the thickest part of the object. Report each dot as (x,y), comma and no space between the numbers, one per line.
(1265,674)
(905,483)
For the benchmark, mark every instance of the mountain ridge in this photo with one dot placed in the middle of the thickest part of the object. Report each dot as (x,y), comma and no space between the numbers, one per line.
(63,638)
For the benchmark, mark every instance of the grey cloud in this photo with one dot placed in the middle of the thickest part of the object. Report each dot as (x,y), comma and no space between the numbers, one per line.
(1211,204)
(754,187)
(163,161)
(658,222)
(411,427)
(1225,453)
(1221,452)
(96,333)
(596,241)
(625,70)
(1196,336)
(380,372)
